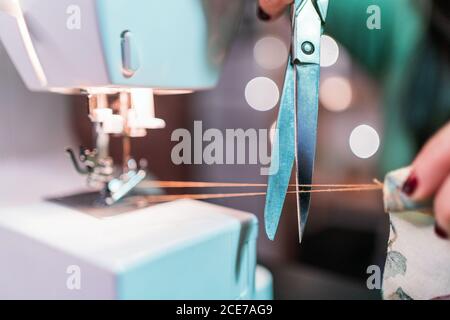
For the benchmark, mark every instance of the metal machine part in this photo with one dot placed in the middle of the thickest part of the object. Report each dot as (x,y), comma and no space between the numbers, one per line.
(130,114)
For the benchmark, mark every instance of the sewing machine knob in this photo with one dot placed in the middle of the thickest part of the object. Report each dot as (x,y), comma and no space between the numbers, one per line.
(130,55)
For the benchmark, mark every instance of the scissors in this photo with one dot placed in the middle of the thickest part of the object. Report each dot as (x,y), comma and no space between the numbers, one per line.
(295,139)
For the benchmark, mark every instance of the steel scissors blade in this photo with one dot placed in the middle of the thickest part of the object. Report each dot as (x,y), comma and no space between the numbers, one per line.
(295,139)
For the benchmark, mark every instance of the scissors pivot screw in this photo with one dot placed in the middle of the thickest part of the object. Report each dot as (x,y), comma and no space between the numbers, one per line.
(307,47)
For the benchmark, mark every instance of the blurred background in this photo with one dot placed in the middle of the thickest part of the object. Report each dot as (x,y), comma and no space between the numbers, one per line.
(346,232)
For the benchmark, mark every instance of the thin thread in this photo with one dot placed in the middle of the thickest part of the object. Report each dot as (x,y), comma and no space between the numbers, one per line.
(378,183)
(352,189)
(205,196)
(194,184)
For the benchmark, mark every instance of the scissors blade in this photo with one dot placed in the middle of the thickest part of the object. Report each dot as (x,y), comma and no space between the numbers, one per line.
(307,98)
(283,155)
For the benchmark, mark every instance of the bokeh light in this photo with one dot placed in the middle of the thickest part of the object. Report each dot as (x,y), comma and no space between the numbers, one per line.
(364,141)
(272,132)
(329,52)
(262,93)
(270,53)
(336,94)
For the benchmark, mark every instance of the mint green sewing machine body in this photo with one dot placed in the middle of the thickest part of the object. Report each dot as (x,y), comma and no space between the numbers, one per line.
(179,250)
(70,46)
(183,250)
(183,52)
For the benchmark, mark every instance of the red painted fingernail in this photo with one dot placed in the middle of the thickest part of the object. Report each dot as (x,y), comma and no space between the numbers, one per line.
(262,14)
(440,232)
(410,185)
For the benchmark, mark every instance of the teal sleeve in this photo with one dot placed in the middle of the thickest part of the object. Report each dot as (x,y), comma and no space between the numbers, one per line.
(387,54)
(374,49)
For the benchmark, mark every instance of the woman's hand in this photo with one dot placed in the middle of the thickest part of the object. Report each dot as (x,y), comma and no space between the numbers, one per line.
(270,9)
(431,176)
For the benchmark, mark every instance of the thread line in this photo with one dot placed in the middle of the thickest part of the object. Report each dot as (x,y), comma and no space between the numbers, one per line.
(207,196)
(194,184)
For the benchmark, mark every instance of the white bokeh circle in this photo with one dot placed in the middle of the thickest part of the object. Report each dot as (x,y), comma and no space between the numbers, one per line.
(272,132)
(329,52)
(262,93)
(270,53)
(364,141)
(336,93)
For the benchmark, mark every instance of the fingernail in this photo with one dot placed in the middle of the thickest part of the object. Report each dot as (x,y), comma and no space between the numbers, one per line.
(262,14)
(440,232)
(410,185)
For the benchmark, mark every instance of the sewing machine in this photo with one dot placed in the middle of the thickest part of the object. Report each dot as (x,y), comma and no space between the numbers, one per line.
(119,54)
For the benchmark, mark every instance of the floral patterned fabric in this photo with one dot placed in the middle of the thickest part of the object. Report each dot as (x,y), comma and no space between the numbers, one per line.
(418,261)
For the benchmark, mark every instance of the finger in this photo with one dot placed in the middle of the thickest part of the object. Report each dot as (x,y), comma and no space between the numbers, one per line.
(442,207)
(431,167)
(269,9)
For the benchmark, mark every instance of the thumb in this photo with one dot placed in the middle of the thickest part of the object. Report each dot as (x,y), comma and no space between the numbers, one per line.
(270,9)
(431,166)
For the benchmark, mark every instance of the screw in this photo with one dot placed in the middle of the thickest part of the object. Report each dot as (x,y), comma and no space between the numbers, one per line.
(307,47)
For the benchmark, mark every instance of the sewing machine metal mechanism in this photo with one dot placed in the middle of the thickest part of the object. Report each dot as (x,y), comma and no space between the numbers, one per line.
(131,114)
(123,63)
